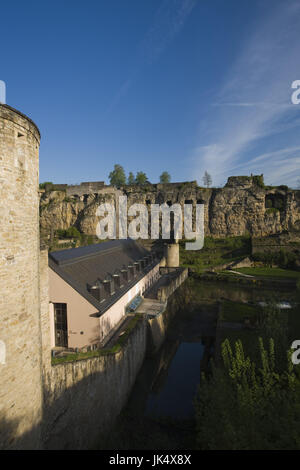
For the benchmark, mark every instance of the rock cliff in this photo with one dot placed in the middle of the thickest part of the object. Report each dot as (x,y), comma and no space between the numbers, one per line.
(243,205)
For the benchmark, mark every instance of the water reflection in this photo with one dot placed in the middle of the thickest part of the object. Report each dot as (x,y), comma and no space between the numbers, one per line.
(168,381)
(174,389)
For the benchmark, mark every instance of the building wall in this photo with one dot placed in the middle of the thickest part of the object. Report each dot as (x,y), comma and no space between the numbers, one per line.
(20,328)
(112,316)
(79,312)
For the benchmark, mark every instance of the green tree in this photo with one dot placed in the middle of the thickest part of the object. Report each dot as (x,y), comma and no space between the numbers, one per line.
(131,178)
(141,178)
(244,405)
(207,180)
(72,232)
(117,176)
(165,177)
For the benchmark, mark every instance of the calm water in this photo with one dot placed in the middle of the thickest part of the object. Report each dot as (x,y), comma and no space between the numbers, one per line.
(174,395)
(168,381)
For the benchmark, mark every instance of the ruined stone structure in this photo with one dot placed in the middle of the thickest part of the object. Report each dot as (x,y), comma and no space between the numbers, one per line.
(20,321)
(241,207)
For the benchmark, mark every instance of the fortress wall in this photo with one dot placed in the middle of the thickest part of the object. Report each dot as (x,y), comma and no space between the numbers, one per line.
(85,397)
(44,306)
(157,326)
(20,329)
(85,188)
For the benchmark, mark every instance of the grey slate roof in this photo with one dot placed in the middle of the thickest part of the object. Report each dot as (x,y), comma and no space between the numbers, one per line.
(84,265)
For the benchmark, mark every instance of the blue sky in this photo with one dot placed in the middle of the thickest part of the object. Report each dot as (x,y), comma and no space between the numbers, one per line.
(177,85)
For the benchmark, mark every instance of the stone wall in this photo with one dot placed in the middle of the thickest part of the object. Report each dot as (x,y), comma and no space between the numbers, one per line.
(180,275)
(157,326)
(289,242)
(83,398)
(20,328)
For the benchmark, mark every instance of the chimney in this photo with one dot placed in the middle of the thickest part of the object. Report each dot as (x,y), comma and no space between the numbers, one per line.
(125,275)
(117,281)
(98,291)
(109,286)
(132,270)
(137,265)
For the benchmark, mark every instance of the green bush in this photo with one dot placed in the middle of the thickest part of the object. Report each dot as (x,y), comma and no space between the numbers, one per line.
(246,405)
(272,210)
(46,183)
(259,180)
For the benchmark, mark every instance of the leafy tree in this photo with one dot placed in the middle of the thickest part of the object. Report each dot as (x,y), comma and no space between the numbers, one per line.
(72,232)
(207,180)
(165,177)
(244,406)
(117,176)
(259,180)
(141,178)
(130,179)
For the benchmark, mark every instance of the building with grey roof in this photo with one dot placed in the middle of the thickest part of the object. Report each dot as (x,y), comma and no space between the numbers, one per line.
(91,288)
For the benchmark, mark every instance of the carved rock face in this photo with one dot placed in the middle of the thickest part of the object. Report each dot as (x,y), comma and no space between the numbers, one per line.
(240,207)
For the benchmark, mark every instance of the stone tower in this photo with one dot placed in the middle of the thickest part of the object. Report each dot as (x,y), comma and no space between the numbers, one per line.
(20,327)
(171,252)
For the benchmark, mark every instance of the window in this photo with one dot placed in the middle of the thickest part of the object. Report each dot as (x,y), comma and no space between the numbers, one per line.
(61,325)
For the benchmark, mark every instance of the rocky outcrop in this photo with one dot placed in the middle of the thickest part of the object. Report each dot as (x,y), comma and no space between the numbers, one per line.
(243,206)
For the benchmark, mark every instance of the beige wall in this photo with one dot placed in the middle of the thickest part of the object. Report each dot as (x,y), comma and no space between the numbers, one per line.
(117,311)
(79,310)
(78,313)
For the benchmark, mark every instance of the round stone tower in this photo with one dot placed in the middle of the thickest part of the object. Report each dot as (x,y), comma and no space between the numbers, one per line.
(20,328)
(172,255)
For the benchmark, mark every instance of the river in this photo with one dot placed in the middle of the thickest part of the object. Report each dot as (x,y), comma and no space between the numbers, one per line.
(160,408)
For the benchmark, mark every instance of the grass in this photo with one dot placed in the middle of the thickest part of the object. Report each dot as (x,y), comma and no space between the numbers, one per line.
(270,272)
(100,352)
(237,311)
(216,251)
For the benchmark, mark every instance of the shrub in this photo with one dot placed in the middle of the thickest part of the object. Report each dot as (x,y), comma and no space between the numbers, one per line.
(272,210)
(259,180)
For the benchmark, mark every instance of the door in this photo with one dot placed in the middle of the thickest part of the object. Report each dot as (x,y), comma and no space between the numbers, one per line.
(61,325)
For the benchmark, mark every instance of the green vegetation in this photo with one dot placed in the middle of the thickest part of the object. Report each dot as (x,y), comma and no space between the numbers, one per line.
(165,177)
(282,258)
(131,178)
(141,178)
(237,311)
(117,176)
(207,179)
(101,352)
(248,404)
(46,183)
(216,251)
(73,238)
(272,210)
(270,272)
(258,180)
(71,232)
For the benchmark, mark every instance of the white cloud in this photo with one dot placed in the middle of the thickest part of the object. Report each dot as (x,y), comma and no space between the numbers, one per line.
(255,102)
